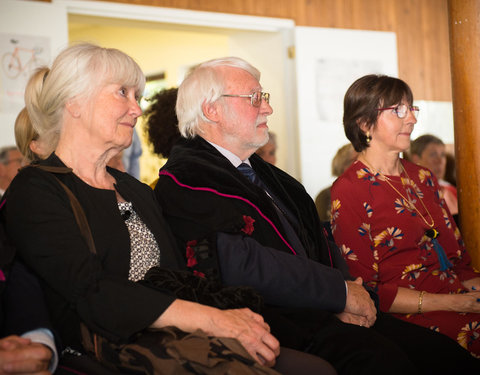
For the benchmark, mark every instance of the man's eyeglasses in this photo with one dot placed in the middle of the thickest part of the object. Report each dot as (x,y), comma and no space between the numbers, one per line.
(402,110)
(255,98)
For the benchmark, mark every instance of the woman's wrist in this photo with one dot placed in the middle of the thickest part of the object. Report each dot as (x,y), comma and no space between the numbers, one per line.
(439,302)
(420,302)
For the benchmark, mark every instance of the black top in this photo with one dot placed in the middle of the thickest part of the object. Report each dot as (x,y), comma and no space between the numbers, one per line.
(80,286)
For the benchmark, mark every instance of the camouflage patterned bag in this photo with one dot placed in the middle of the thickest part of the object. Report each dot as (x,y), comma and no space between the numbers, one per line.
(172,351)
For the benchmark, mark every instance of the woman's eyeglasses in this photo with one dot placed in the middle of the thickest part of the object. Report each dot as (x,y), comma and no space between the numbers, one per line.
(402,110)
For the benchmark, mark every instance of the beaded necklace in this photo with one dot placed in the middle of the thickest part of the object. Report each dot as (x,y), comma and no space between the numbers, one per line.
(431,232)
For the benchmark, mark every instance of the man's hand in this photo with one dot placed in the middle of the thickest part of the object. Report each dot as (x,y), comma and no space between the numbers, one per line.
(19,355)
(359,304)
(350,318)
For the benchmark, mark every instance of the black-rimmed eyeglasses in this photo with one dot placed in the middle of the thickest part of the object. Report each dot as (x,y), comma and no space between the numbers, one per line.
(255,98)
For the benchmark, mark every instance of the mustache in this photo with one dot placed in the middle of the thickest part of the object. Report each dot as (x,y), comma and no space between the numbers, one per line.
(261,121)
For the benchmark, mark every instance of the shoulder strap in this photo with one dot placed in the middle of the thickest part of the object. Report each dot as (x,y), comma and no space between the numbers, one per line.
(74,203)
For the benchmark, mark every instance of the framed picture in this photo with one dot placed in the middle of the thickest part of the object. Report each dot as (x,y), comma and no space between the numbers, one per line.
(155,82)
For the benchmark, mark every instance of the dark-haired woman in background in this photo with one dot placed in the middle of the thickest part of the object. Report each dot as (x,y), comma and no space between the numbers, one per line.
(394,229)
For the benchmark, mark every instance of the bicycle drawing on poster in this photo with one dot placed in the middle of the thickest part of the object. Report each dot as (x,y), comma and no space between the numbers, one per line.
(20,55)
(21,60)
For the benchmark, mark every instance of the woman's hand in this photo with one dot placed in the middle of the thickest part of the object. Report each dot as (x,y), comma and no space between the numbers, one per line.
(250,329)
(467,302)
(472,284)
(246,326)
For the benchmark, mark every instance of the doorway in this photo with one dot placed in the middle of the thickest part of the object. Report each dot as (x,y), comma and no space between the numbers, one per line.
(169,41)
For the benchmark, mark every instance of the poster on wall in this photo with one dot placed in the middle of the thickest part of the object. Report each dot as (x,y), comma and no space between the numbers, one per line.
(20,55)
(328,61)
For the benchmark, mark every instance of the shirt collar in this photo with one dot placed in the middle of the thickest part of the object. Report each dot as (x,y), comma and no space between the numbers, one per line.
(234,159)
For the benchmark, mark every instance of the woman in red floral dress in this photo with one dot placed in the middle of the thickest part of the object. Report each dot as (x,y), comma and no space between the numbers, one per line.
(392,224)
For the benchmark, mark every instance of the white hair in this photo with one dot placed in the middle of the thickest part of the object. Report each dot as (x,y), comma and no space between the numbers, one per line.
(78,71)
(204,84)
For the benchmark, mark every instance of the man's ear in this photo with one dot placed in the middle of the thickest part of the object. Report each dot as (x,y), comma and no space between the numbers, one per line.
(73,107)
(210,111)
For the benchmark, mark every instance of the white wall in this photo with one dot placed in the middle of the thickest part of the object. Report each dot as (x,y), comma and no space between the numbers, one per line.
(252,47)
(26,19)
(328,62)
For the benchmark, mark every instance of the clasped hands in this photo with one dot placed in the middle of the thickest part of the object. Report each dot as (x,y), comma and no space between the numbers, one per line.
(359,308)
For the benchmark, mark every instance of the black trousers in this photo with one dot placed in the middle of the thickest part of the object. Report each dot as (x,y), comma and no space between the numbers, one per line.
(391,346)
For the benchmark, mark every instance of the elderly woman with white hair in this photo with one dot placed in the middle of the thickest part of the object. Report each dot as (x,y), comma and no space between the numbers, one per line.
(91,260)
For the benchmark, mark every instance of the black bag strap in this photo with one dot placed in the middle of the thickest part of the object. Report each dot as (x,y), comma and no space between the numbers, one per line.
(74,203)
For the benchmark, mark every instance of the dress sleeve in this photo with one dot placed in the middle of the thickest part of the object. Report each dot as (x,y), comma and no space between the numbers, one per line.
(351,227)
(42,226)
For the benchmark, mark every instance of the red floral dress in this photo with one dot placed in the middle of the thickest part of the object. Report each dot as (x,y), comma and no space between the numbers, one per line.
(383,240)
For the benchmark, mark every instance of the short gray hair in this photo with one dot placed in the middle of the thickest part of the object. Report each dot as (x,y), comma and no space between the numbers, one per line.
(204,84)
(78,71)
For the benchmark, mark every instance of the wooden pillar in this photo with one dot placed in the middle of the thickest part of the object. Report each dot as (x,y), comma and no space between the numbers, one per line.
(464,26)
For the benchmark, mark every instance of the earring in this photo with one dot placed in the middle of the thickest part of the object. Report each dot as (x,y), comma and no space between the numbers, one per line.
(368,136)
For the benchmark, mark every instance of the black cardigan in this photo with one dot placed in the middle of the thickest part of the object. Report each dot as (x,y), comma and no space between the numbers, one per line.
(80,286)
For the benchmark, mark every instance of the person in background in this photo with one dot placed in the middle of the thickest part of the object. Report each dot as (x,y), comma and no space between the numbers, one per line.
(450,169)
(268,151)
(243,221)
(93,271)
(131,157)
(10,161)
(393,226)
(429,151)
(27,345)
(161,125)
(344,157)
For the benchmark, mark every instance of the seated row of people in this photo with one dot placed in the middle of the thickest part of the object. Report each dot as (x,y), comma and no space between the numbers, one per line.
(227,252)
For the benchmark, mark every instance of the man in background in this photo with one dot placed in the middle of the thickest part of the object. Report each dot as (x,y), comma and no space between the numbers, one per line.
(10,161)
(268,151)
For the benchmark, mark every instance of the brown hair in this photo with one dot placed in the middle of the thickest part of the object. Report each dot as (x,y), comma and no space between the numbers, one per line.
(362,100)
(418,145)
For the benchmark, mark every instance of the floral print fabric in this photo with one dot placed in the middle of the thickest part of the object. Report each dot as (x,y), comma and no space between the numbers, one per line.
(382,238)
